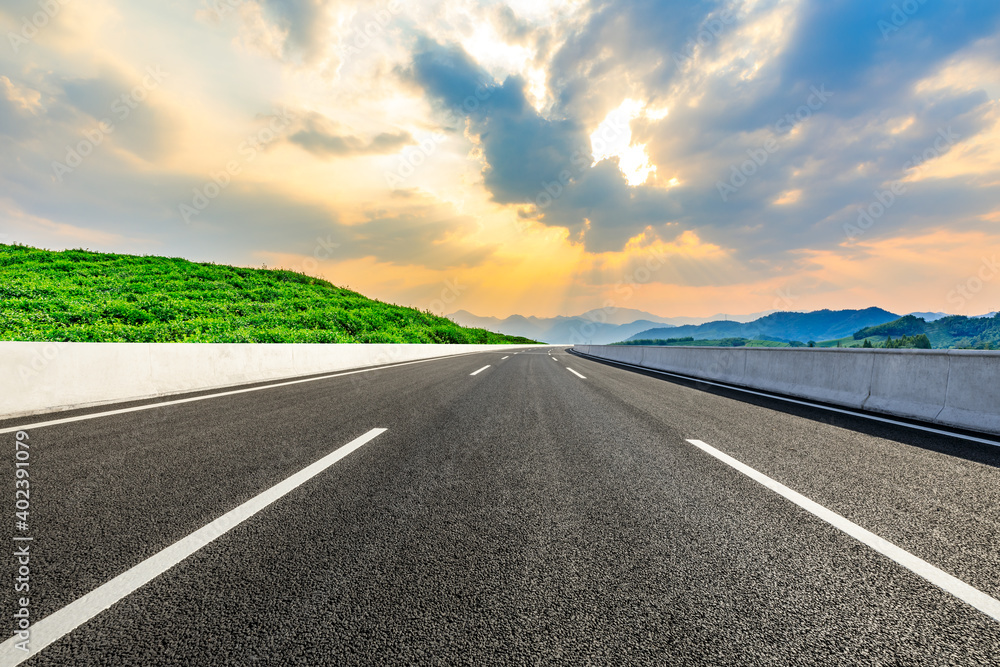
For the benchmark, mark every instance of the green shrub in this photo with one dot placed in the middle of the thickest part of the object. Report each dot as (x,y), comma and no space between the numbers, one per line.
(78,295)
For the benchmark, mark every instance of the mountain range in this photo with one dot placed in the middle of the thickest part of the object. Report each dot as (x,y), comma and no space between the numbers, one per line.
(818,325)
(603,326)
(598,327)
(594,326)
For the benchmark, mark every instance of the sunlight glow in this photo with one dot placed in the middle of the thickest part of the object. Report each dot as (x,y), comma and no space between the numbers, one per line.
(613,139)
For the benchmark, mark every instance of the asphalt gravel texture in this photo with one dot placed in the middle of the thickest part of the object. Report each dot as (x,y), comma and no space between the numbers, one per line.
(519,516)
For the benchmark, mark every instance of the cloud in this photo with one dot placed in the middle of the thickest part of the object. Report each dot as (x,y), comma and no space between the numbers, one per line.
(730,89)
(306,24)
(126,101)
(322,137)
(426,236)
(423,233)
(513,29)
(873,50)
(523,86)
(530,159)
(522,150)
(18,104)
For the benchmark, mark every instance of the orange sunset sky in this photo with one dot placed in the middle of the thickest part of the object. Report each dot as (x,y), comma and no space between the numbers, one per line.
(531,157)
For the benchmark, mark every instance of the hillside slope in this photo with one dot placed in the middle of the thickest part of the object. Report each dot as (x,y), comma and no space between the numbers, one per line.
(954,331)
(784,326)
(77,295)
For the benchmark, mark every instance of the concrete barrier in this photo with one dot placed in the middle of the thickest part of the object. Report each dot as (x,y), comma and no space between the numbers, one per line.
(958,388)
(910,383)
(973,393)
(724,364)
(837,376)
(48,377)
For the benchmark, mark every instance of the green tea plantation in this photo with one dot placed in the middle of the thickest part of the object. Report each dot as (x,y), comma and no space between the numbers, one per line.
(78,295)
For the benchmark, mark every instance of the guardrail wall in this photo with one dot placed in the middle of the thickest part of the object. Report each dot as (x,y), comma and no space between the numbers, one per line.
(46,377)
(958,388)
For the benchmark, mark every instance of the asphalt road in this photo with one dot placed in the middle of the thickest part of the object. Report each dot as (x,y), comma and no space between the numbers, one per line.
(520,515)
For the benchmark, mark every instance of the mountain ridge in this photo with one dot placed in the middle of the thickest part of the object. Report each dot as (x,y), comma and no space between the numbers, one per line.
(817,325)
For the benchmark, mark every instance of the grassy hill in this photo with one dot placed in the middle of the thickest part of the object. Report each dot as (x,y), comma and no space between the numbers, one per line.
(78,295)
(955,331)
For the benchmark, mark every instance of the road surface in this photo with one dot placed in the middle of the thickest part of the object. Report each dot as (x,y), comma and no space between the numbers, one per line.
(502,508)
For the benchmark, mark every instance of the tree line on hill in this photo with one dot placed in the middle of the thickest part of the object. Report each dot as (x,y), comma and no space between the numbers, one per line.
(918,342)
(954,331)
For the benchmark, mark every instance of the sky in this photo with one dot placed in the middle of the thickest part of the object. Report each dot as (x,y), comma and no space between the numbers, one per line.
(531,156)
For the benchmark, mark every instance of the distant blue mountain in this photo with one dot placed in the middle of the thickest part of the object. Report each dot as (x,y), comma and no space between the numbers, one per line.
(818,325)
(597,326)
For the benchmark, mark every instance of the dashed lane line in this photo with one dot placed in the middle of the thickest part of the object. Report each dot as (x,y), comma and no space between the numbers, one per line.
(232,392)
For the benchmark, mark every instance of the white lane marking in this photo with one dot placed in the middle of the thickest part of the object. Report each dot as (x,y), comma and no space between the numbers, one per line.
(554,359)
(69,618)
(862,415)
(507,357)
(480,370)
(963,591)
(575,373)
(150,406)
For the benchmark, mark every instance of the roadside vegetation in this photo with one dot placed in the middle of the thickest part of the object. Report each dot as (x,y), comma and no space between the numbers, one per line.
(955,331)
(78,295)
(909,332)
(722,342)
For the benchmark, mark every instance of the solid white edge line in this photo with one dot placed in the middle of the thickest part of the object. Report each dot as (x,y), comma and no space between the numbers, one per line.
(62,622)
(480,370)
(150,406)
(963,591)
(575,373)
(777,397)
